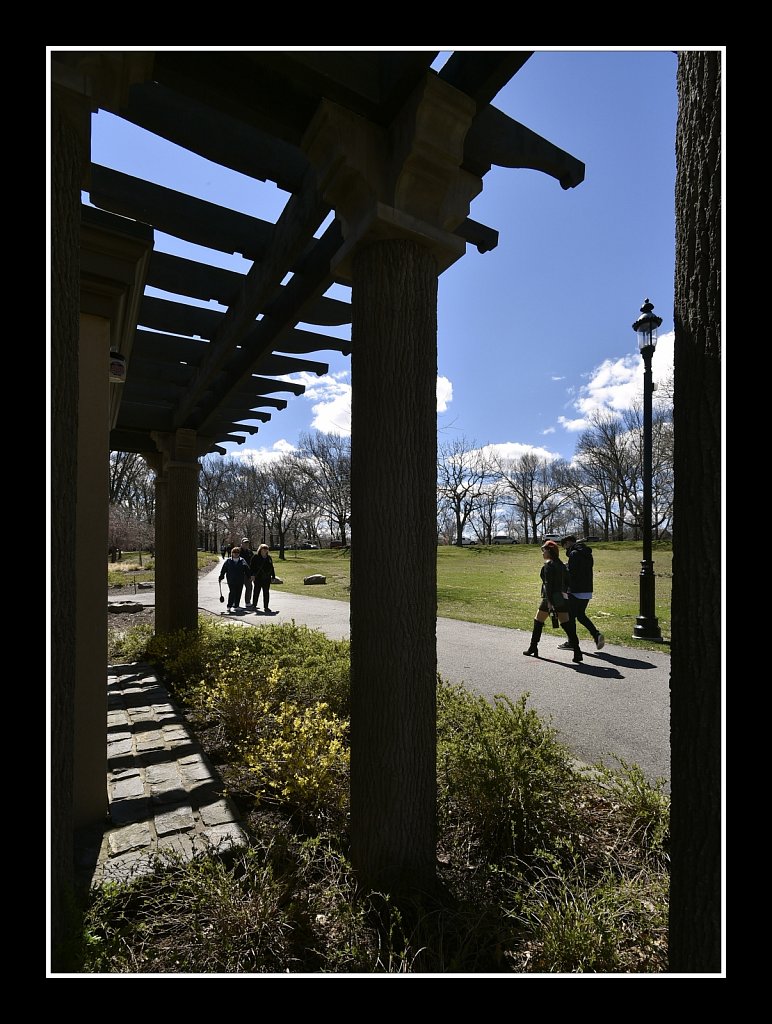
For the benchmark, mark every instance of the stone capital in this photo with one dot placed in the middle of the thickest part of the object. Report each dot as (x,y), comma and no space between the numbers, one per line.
(181,448)
(400,181)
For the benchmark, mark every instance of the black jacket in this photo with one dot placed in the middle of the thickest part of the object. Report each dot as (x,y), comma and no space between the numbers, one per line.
(261,568)
(580,564)
(554,578)
(236,572)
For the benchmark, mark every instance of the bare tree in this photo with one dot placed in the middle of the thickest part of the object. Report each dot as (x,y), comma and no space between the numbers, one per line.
(125,470)
(132,503)
(586,503)
(537,494)
(127,532)
(461,473)
(661,468)
(611,455)
(231,499)
(212,485)
(249,482)
(289,492)
(488,506)
(326,461)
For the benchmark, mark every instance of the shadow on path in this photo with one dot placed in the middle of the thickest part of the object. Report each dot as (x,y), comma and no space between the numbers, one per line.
(584,669)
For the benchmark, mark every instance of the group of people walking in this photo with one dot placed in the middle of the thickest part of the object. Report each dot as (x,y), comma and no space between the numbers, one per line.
(566,590)
(252,572)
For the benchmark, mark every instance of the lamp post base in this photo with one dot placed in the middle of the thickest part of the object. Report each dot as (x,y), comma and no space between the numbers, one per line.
(647,628)
(646,624)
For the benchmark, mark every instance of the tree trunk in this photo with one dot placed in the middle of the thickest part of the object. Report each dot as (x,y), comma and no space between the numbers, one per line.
(695,682)
(393,577)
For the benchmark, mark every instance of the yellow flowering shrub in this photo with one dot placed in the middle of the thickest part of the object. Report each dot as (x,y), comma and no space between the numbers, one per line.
(302,757)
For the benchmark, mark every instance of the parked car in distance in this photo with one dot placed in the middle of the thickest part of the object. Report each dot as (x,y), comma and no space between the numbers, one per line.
(308,546)
(501,539)
(551,536)
(336,543)
(592,540)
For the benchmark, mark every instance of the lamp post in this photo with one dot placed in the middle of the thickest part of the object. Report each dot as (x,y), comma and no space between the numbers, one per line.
(265,517)
(646,625)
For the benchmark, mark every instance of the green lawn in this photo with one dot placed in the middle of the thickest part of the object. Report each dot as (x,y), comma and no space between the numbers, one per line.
(500,585)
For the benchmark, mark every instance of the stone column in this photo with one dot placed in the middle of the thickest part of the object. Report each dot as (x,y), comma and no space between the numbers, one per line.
(176,561)
(163,562)
(70,141)
(90,790)
(399,193)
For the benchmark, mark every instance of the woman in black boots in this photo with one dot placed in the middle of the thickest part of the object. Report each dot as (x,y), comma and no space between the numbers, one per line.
(554,589)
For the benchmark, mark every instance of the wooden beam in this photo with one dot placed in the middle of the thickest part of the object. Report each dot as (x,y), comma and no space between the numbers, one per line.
(180,215)
(294,230)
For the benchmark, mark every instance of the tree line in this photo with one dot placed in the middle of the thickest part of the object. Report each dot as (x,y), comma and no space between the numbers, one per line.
(305,495)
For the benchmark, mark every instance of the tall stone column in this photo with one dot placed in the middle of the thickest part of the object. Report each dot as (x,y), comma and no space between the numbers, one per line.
(70,140)
(399,193)
(90,790)
(176,561)
(163,561)
(393,564)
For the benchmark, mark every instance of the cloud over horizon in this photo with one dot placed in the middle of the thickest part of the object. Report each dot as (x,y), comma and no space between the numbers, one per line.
(616,384)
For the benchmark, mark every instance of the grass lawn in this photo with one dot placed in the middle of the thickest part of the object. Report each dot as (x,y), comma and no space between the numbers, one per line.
(139,567)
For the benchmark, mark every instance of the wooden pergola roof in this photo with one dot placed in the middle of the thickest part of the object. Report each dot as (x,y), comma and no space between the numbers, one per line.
(212,371)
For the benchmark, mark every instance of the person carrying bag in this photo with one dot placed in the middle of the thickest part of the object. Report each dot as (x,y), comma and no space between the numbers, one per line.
(263,575)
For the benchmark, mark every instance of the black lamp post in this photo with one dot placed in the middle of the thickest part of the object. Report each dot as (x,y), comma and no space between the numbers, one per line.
(265,517)
(646,625)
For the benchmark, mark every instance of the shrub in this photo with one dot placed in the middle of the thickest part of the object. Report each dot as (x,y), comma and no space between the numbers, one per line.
(612,924)
(300,757)
(192,917)
(502,775)
(644,806)
(312,667)
(132,644)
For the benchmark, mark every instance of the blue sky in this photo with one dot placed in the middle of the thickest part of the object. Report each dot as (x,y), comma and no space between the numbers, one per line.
(536,334)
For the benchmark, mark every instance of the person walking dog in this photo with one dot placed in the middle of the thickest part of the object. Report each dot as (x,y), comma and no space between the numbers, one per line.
(580,564)
(554,590)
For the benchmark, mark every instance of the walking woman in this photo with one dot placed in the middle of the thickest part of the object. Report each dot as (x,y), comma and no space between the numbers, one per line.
(261,569)
(554,589)
(236,570)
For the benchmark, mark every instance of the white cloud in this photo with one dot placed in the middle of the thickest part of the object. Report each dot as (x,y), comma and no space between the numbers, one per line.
(549,430)
(444,393)
(264,456)
(557,378)
(333,414)
(514,449)
(331,397)
(617,384)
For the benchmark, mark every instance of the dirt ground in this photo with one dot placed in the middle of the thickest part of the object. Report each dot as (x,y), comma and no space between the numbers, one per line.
(125,620)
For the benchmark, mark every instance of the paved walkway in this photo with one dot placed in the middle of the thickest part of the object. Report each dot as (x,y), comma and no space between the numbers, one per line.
(164,795)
